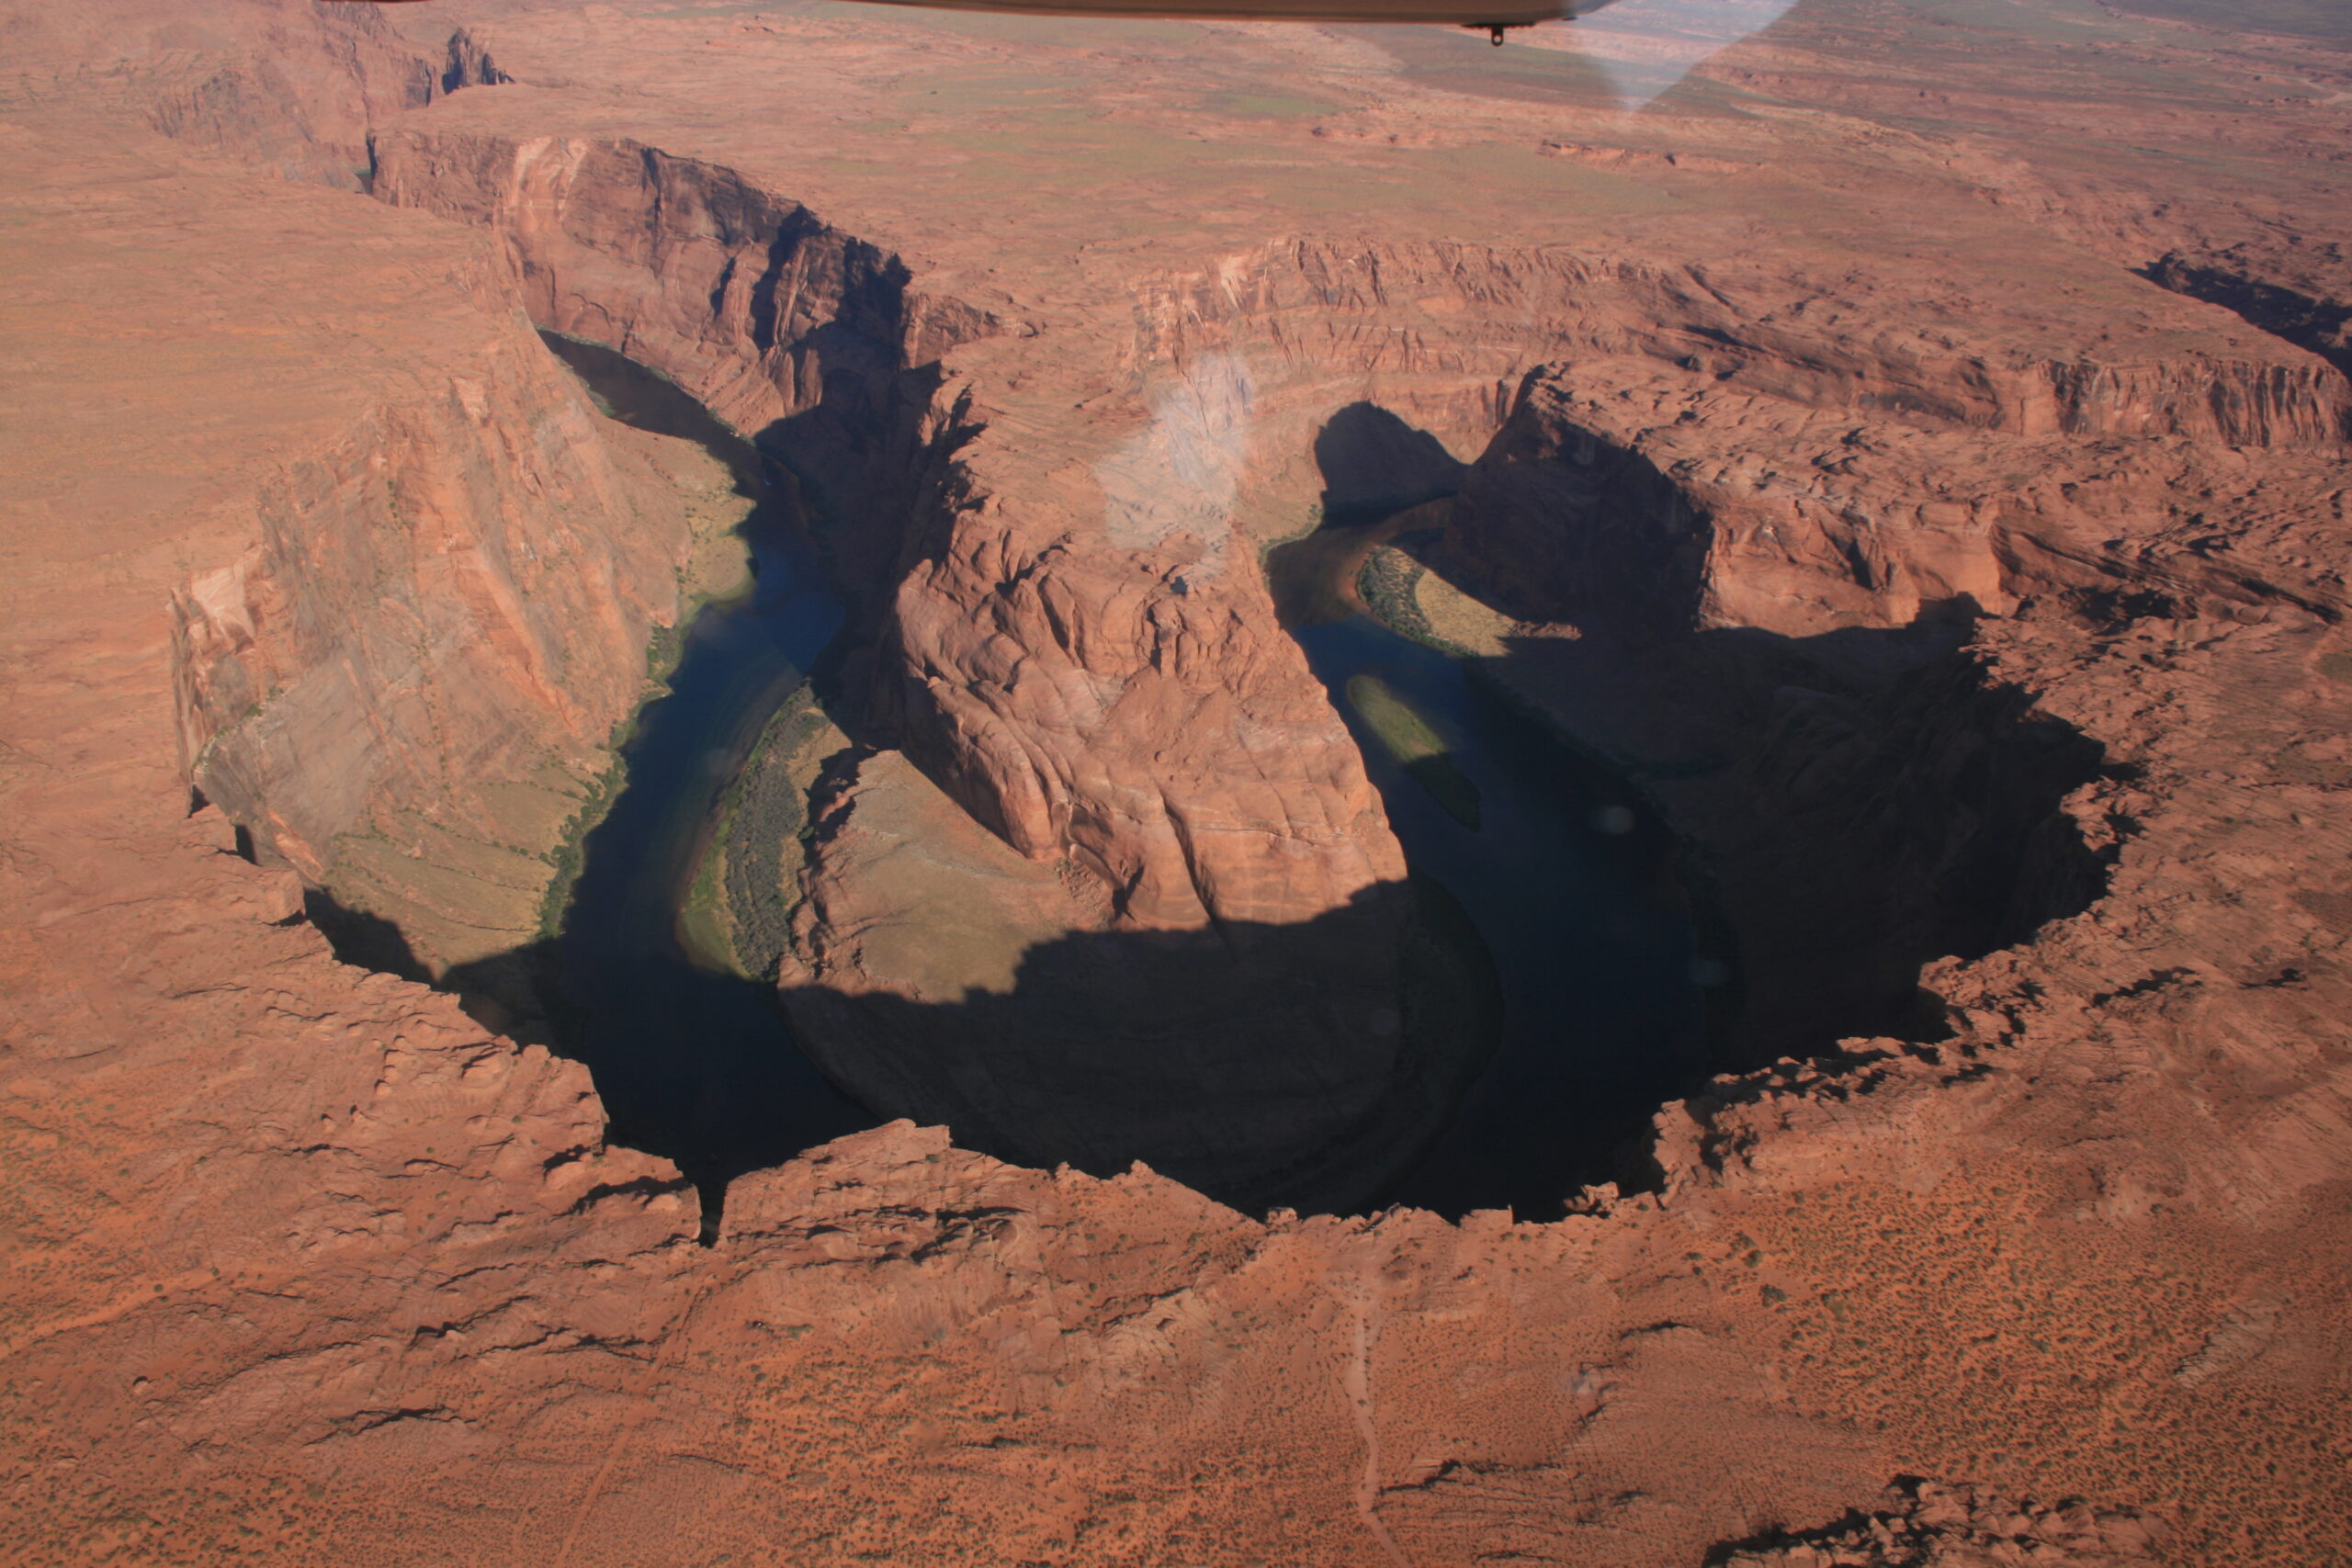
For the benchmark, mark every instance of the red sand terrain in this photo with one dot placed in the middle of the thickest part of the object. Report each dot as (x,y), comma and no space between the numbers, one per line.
(313,553)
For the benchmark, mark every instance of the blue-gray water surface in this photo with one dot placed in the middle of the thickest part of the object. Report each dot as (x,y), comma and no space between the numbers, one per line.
(1571,882)
(693,1063)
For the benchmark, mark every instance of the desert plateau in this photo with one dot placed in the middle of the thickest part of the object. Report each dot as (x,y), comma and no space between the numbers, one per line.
(801,782)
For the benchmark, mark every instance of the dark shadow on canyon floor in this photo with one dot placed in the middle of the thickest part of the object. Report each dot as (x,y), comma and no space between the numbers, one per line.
(1611,983)
(1371,460)
(2317,325)
(694,1065)
(1862,804)
(1858,802)
(1854,804)
(693,1062)
(364,939)
(1307,1065)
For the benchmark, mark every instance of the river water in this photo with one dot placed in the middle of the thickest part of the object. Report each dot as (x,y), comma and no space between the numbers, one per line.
(1571,882)
(693,1062)
(1566,877)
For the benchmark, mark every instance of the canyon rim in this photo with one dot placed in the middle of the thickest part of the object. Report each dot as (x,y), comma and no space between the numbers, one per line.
(1892,452)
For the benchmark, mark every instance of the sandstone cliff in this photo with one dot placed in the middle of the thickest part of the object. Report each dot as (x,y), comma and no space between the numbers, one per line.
(439,623)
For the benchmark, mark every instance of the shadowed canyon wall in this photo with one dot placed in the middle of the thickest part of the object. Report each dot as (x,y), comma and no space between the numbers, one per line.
(457,597)
(1778,646)
(406,686)
(2288,294)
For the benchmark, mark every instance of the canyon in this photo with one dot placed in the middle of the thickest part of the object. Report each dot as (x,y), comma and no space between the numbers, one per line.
(1903,459)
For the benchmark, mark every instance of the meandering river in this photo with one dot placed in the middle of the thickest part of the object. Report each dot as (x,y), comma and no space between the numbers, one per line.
(1567,879)
(695,1062)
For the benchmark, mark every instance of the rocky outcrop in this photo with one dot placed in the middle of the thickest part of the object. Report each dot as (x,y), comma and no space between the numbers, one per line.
(1922,1524)
(743,297)
(455,597)
(469,64)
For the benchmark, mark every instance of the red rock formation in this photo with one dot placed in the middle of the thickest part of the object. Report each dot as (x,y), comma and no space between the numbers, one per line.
(305,1265)
(1015,703)
(742,296)
(455,596)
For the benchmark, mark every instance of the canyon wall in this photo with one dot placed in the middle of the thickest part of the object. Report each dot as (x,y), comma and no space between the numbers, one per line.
(455,596)
(1420,311)
(405,687)
(1114,709)
(746,298)
(1125,703)
(1764,610)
